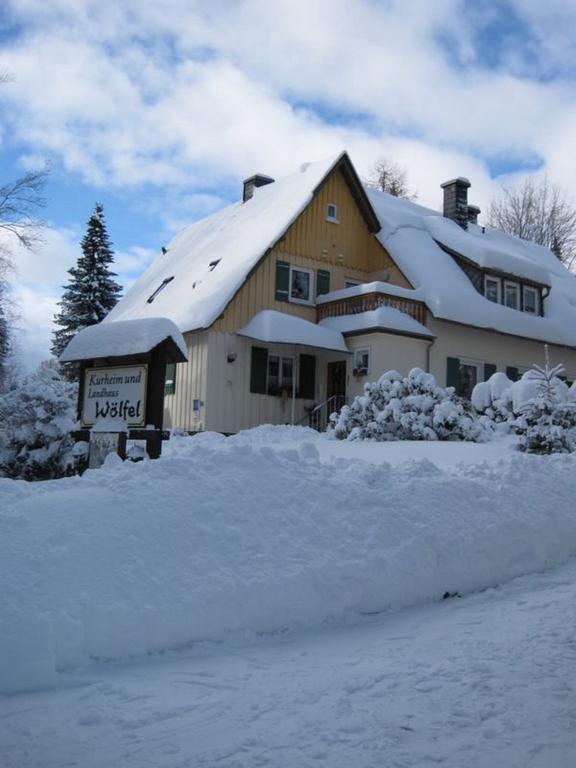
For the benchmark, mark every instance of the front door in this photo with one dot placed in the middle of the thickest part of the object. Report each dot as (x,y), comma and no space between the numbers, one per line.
(336,385)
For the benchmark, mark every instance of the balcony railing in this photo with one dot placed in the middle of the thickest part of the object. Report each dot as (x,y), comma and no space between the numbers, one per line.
(370,301)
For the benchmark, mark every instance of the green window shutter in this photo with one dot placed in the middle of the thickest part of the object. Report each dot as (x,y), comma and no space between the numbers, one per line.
(322,282)
(453,372)
(170,379)
(258,370)
(282,281)
(512,373)
(307,388)
(489,369)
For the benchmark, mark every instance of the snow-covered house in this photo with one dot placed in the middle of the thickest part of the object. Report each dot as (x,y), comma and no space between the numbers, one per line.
(309,286)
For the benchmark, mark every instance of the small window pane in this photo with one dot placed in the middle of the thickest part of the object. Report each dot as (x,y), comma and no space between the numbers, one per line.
(468,379)
(300,285)
(531,301)
(332,212)
(512,295)
(493,290)
(287,371)
(273,374)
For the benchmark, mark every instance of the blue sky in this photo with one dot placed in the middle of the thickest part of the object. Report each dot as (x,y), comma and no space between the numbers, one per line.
(158,110)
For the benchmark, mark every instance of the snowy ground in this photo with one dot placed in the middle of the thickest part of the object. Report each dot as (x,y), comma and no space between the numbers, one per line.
(485,681)
(275,599)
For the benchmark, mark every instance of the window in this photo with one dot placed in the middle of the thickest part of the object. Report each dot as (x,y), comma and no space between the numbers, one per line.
(170,380)
(280,374)
(492,289)
(361,362)
(469,377)
(512,295)
(464,373)
(332,213)
(161,287)
(301,285)
(213,264)
(531,300)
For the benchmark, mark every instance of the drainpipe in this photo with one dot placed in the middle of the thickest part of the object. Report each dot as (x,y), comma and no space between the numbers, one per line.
(428,354)
(293,405)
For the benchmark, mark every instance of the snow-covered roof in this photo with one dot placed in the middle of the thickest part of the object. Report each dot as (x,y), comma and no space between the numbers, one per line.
(375,287)
(122,338)
(271,326)
(383,318)
(411,234)
(206,263)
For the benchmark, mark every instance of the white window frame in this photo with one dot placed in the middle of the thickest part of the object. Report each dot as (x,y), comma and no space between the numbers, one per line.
(512,284)
(333,217)
(362,371)
(310,300)
(281,357)
(498,281)
(536,292)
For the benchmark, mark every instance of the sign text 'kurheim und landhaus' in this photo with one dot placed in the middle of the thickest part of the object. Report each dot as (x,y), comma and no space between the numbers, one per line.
(115,393)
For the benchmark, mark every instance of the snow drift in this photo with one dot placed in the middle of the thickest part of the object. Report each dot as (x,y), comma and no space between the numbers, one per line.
(254,535)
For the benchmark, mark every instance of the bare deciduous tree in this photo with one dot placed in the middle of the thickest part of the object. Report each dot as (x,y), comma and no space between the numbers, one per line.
(539,211)
(390,177)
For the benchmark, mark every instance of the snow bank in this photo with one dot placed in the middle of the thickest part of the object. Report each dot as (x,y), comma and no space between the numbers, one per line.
(227,535)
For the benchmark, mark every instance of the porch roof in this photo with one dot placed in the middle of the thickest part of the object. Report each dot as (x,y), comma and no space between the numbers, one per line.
(276,327)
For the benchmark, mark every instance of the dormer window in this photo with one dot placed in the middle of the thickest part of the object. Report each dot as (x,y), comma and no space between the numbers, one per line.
(493,289)
(531,300)
(511,295)
(161,287)
(332,213)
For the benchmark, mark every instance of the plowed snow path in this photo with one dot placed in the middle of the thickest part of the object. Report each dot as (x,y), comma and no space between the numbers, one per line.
(487,681)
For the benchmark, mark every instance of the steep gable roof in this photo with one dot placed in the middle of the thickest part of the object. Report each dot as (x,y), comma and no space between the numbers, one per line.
(206,263)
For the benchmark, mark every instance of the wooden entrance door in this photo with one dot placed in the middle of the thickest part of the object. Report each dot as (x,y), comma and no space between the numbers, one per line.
(336,384)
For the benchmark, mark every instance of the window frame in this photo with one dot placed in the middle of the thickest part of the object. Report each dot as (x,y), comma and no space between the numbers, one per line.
(512,284)
(536,292)
(472,362)
(333,218)
(362,370)
(281,358)
(309,301)
(498,281)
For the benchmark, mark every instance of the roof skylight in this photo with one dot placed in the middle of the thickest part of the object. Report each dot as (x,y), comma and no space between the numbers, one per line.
(161,287)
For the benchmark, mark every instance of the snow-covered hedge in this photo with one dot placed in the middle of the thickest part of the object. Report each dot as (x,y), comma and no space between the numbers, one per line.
(409,407)
(37,417)
(540,407)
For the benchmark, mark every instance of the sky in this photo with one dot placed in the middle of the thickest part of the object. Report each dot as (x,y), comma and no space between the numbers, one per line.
(159,110)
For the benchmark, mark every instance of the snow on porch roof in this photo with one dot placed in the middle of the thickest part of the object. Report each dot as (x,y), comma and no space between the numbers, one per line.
(123,338)
(382,319)
(276,327)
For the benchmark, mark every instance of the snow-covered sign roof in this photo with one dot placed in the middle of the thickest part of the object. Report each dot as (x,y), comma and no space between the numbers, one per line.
(382,319)
(122,339)
(204,265)
(412,233)
(271,326)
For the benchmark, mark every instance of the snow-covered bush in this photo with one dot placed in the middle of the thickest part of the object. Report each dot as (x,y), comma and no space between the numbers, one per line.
(409,407)
(540,407)
(37,417)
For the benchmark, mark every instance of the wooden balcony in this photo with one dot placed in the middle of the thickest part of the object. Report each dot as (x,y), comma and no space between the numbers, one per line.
(370,301)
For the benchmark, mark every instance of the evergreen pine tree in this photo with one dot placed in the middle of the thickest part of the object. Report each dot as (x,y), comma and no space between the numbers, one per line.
(92,292)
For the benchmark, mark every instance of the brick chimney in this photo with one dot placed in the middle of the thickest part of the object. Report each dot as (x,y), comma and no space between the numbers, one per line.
(473,213)
(250,184)
(456,200)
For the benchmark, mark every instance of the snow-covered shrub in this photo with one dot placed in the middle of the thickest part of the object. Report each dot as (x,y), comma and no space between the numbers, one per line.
(37,417)
(549,421)
(409,407)
(493,398)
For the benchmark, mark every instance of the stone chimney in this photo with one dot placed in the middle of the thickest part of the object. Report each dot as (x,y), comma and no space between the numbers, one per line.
(456,200)
(250,184)
(473,213)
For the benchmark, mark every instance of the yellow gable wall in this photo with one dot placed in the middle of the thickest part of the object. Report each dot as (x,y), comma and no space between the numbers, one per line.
(347,249)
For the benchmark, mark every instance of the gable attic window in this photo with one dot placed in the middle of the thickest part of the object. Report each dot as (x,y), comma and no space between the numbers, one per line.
(511,295)
(332,213)
(492,289)
(531,300)
(161,287)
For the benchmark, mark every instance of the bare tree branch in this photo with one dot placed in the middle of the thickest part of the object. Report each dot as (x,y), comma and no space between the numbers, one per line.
(538,211)
(390,177)
(19,200)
